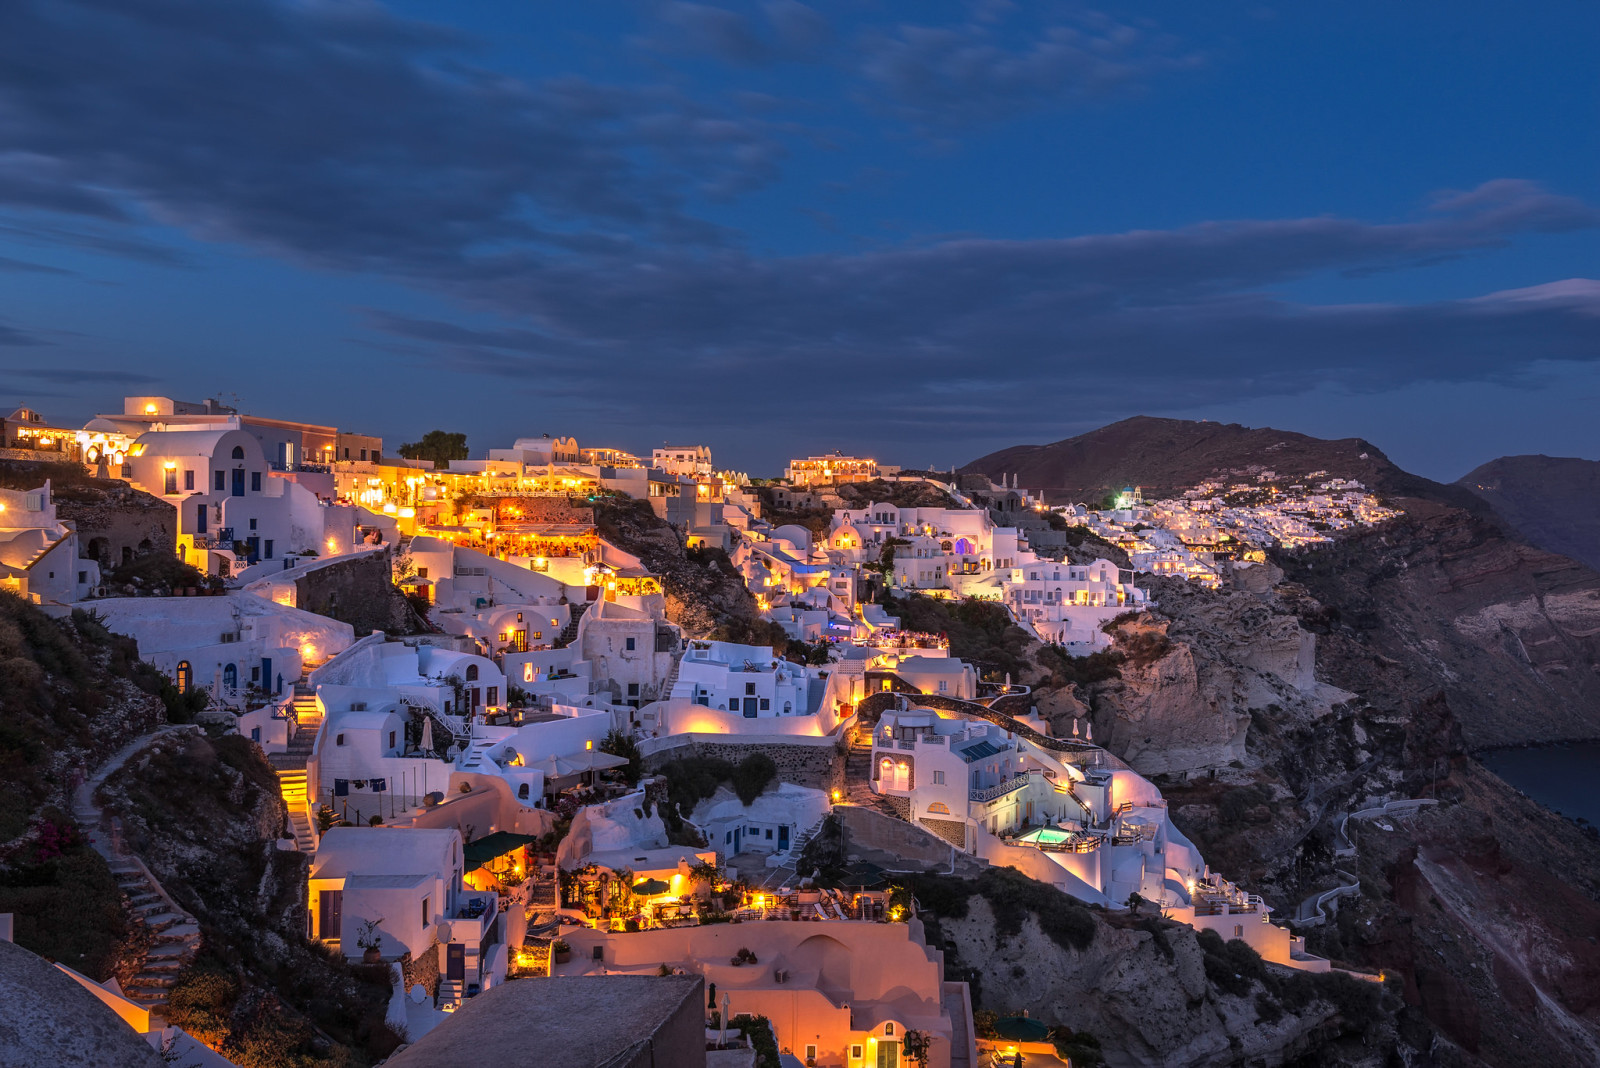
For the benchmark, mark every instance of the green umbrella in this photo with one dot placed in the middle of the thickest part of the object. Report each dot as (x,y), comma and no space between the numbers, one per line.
(1021,1029)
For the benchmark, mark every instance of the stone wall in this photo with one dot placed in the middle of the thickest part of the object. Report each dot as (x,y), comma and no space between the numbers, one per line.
(119,523)
(819,765)
(360,592)
(423,969)
(869,830)
(952,831)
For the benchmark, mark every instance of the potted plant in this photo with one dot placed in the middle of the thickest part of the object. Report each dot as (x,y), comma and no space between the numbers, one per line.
(561,950)
(370,941)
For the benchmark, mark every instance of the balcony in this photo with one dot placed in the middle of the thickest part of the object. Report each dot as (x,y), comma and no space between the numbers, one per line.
(1011,785)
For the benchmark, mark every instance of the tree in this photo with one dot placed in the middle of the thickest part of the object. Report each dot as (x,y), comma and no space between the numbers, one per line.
(622,744)
(437,445)
(752,775)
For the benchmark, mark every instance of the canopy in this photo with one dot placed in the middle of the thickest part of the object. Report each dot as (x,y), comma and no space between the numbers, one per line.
(1021,1029)
(650,887)
(556,767)
(483,850)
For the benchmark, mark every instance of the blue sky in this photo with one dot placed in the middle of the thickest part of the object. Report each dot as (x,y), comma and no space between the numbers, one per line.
(922,230)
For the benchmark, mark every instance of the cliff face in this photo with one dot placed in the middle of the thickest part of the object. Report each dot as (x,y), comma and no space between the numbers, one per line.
(1509,633)
(1551,501)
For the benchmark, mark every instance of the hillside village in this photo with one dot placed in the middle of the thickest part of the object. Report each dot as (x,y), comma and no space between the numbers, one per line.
(510,758)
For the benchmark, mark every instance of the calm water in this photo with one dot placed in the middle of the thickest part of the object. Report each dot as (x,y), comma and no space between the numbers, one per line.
(1562,777)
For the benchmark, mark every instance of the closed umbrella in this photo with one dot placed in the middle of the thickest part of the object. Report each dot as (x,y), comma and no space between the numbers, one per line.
(427,734)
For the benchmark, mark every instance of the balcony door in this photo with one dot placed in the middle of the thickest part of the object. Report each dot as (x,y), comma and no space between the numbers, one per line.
(888,1053)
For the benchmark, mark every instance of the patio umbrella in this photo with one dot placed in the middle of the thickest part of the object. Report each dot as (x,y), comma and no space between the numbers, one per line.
(650,887)
(427,734)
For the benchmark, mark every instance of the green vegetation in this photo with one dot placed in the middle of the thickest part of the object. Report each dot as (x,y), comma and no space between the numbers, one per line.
(64,685)
(805,653)
(622,744)
(1012,897)
(1078,1048)
(693,779)
(980,632)
(161,572)
(1236,969)
(437,445)
(1067,670)
(752,775)
(758,1029)
(66,904)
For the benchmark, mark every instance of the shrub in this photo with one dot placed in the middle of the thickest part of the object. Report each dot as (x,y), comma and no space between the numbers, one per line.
(622,744)
(752,776)
(1078,1048)
(1012,897)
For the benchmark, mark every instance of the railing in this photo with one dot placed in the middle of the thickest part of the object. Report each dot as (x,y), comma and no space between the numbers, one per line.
(1016,782)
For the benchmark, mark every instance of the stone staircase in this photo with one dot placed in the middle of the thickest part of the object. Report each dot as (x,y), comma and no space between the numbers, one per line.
(174,936)
(858,779)
(805,837)
(672,679)
(569,633)
(291,765)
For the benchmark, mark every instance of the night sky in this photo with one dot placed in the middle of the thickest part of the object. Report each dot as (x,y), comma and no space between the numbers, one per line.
(921,230)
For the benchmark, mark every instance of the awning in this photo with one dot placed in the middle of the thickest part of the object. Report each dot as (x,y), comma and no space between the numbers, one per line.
(491,846)
(555,767)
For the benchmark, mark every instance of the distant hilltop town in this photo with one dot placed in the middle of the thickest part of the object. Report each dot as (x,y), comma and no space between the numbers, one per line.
(632,724)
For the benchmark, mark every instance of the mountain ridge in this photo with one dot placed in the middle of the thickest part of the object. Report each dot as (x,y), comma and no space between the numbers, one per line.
(1553,502)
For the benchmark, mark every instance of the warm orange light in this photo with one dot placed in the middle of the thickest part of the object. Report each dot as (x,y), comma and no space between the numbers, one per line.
(588,745)
(171,465)
(149,409)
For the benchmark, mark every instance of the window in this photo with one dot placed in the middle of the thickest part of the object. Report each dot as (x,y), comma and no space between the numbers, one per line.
(221,481)
(494,695)
(427,913)
(766,705)
(347,454)
(255,482)
(938,778)
(338,739)
(1238,930)
(391,739)
(633,689)
(749,689)
(855,1050)
(769,832)
(185,676)
(630,645)
(238,452)
(811,1052)
(170,481)
(252,524)
(888,1030)
(363,453)
(943,684)
(422,572)
(938,808)
(472,672)
(188,480)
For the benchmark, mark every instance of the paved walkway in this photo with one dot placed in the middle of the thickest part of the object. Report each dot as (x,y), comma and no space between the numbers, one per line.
(1314,910)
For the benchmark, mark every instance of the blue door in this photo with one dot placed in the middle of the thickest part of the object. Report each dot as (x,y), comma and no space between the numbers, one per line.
(750,707)
(200,519)
(266,672)
(238,482)
(783,837)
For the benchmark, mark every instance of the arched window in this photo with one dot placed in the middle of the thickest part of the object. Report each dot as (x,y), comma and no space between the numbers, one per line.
(238,452)
(472,672)
(230,677)
(939,808)
(185,676)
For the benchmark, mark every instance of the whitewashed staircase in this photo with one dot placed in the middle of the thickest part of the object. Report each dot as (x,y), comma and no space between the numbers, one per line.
(291,766)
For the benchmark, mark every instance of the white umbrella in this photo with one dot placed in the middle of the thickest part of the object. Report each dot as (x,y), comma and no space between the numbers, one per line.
(427,734)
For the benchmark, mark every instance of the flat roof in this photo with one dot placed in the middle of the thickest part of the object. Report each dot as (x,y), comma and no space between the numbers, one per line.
(561,1022)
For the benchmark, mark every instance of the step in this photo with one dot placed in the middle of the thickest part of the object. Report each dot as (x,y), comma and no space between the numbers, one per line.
(177,933)
(162,919)
(148,996)
(147,980)
(150,909)
(164,952)
(160,965)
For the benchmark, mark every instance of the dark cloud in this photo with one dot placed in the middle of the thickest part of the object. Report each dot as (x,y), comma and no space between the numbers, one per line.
(957,75)
(70,376)
(774,31)
(978,330)
(340,133)
(12,337)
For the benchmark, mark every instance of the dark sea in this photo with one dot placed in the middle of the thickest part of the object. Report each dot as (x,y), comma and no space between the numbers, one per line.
(1562,777)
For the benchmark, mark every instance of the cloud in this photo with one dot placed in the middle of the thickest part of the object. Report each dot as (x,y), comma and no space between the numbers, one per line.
(343,135)
(958,75)
(76,376)
(1011,331)
(783,30)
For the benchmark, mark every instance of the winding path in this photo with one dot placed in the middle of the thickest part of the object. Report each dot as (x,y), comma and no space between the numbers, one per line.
(174,934)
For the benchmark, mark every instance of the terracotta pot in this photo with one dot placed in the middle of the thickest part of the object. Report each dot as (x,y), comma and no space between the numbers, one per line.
(563,955)
(372,956)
